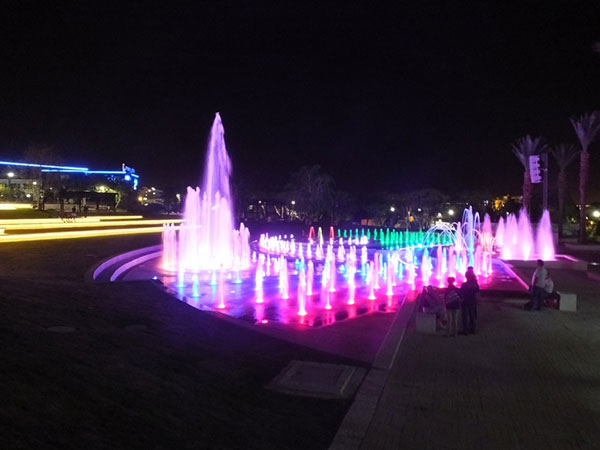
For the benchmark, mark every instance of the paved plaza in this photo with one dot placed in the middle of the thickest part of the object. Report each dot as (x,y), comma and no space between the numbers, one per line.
(135,368)
(526,380)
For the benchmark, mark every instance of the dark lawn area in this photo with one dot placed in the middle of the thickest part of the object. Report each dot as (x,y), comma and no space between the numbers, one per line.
(142,370)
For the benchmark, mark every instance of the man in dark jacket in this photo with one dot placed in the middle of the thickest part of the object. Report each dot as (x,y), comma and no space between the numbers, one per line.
(468,293)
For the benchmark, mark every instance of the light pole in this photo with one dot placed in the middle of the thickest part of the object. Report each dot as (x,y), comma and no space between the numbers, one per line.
(10,175)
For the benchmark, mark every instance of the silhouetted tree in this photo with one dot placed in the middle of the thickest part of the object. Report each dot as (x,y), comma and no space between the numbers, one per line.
(564,154)
(586,127)
(312,190)
(343,206)
(429,201)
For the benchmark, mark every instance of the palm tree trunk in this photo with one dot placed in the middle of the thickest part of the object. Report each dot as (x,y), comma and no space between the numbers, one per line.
(562,193)
(584,167)
(527,188)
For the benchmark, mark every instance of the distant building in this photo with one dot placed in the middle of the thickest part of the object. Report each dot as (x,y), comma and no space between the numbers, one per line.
(40,184)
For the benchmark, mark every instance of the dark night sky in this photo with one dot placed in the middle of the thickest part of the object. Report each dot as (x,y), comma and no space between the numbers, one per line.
(422,94)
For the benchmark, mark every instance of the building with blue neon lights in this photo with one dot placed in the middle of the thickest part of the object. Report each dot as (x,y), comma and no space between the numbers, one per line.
(40,183)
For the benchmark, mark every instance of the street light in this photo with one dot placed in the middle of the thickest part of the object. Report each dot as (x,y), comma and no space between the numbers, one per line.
(10,175)
(450,212)
(293,202)
(596,213)
(392,209)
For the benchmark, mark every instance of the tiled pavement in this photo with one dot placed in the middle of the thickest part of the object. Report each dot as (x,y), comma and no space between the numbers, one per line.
(527,380)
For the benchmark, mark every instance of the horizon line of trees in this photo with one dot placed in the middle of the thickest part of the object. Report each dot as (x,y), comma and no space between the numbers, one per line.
(311,196)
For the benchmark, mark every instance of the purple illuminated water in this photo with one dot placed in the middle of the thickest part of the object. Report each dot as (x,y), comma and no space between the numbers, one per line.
(516,240)
(207,239)
(545,241)
(209,264)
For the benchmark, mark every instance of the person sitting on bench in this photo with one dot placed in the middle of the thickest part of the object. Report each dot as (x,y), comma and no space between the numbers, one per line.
(551,297)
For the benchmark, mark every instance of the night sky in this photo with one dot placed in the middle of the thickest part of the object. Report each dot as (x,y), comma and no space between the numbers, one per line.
(424,94)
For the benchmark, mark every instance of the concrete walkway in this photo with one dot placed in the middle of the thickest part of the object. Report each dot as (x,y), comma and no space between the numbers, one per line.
(527,380)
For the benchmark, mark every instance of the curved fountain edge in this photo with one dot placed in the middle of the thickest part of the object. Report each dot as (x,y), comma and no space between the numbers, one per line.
(98,269)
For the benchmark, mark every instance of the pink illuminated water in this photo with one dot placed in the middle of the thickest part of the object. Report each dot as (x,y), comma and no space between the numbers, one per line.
(207,239)
(499,239)
(545,241)
(515,238)
(304,283)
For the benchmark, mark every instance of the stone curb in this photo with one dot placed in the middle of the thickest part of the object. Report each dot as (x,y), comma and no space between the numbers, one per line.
(355,425)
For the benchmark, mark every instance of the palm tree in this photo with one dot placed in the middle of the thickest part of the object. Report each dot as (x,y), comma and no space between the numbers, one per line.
(586,127)
(564,154)
(523,149)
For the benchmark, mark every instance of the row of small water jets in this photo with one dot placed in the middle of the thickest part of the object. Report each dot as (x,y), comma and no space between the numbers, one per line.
(343,266)
(386,270)
(513,239)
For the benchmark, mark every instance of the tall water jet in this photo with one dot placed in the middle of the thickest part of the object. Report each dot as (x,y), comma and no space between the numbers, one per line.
(511,234)
(499,239)
(371,281)
(525,235)
(545,241)
(207,239)
(351,284)
(302,292)
(486,236)
(169,238)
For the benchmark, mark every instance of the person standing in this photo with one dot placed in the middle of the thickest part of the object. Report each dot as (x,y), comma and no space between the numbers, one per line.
(538,282)
(452,300)
(468,293)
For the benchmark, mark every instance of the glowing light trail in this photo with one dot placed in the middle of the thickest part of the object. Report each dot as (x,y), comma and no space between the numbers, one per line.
(6,238)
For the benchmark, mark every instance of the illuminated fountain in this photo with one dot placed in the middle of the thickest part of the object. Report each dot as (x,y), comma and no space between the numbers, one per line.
(545,241)
(515,238)
(206,240)
(208,264)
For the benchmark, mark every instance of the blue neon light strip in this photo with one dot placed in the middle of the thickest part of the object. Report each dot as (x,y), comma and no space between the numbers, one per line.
(104,172)
(45,166)
(70,169)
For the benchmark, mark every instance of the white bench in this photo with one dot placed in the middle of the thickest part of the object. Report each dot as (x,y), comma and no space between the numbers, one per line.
(568,301)
(426,323)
